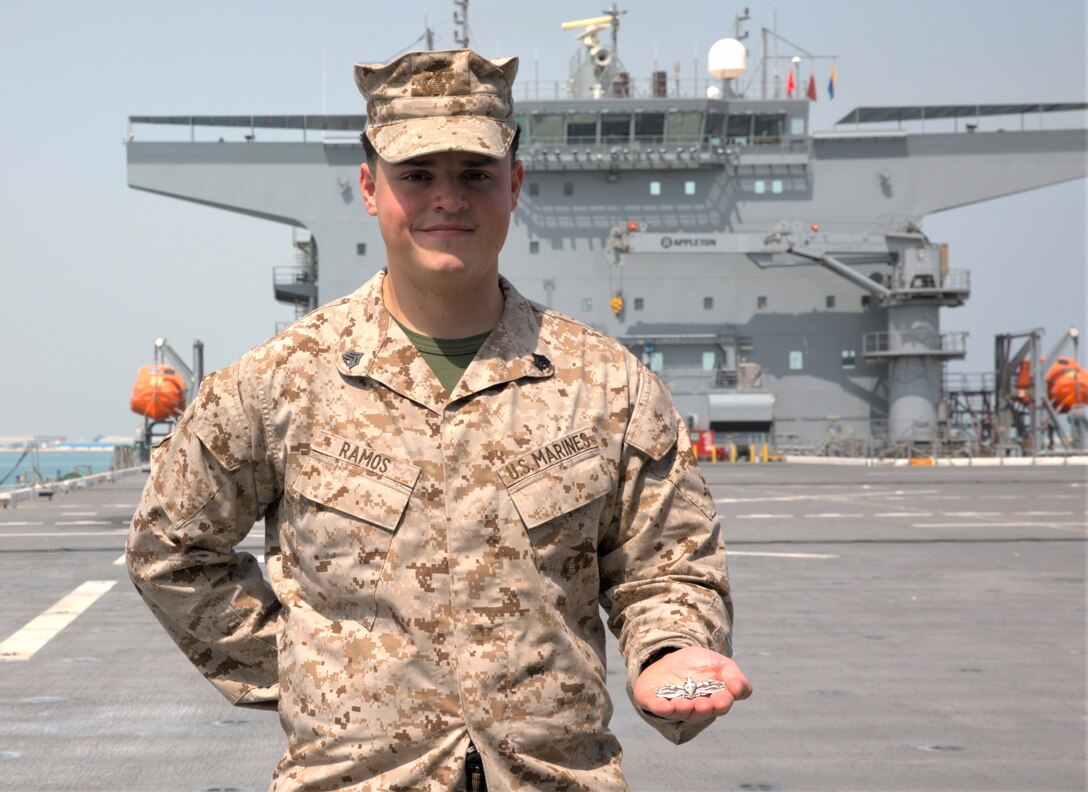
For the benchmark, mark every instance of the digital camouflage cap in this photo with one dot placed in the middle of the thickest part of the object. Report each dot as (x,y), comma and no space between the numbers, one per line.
(446,100)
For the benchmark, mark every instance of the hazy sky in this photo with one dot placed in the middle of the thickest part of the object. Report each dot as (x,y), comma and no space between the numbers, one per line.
(91,272)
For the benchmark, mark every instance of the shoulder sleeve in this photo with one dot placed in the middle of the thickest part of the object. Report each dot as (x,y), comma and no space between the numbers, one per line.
(210,480)
(664,577)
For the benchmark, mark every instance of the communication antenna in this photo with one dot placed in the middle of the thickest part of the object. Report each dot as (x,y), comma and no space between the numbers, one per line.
(598,53)
(460,38)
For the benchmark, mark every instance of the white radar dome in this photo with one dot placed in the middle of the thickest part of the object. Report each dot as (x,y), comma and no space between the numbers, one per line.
(727,59)
(713,92)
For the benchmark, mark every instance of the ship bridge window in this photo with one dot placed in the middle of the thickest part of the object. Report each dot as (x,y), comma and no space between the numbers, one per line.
(768,128)
(650,127)
(797,127)
(684,127)
(715,126)
(615,128)
(546,128)
(582,128)
(739,129)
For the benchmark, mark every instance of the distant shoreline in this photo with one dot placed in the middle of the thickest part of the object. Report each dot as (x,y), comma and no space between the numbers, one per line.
(68,449)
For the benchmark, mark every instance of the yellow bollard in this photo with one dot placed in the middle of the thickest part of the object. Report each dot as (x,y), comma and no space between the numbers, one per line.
(732,452)
(764,453)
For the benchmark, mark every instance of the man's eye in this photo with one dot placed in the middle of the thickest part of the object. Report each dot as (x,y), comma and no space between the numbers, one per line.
(414,176)
(477,176)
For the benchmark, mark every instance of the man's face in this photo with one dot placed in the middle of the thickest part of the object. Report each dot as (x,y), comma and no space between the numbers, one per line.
(443,214)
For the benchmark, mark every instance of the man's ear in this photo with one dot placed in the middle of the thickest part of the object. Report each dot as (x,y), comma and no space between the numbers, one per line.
(367,187)
(517,178)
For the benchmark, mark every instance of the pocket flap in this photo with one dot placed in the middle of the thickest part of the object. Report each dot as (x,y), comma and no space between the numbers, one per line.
(363,493)
(560,488)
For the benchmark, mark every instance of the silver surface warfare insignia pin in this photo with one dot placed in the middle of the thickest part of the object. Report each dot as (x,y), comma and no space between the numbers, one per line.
(690,689)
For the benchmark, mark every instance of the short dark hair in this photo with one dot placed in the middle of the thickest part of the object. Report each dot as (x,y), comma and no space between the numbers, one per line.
(372,153)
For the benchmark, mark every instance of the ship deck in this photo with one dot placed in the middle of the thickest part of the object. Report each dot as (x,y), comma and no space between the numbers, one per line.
(905,629)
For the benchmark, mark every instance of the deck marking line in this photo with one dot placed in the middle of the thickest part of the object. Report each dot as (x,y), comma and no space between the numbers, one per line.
(903,514)
(832,496)
(42,629)
(763,516)
(83,522)
(120,561)
(1055,525)
(79,514)
(19,524)
(778,555)
(1044,514)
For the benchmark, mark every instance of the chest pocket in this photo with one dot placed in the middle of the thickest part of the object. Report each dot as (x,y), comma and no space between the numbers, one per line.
(560,504)
(344,518)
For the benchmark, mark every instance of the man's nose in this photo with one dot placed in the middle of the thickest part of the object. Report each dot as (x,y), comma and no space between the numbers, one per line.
(449,195)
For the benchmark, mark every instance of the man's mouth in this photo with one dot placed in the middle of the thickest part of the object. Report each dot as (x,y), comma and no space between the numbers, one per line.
(447,228)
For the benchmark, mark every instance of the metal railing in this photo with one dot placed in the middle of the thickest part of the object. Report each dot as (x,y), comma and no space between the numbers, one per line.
(974,382)
(914,342)
(49,489)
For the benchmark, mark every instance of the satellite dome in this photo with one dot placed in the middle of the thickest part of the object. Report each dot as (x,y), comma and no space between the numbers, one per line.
(727,59)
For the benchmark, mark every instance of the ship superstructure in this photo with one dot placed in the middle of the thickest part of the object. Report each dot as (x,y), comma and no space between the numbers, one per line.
(775,278)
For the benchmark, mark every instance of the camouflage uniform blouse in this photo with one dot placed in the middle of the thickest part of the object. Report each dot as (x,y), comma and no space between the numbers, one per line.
(435,562)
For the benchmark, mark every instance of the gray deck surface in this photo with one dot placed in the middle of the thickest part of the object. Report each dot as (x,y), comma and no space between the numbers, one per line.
(905,629)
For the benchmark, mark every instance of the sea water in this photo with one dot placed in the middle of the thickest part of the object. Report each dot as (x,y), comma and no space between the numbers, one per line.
(52,464)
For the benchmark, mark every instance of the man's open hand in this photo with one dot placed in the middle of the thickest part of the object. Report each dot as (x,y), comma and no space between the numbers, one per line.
(701,665)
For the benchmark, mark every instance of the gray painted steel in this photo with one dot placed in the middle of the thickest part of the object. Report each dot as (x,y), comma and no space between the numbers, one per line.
(727,266)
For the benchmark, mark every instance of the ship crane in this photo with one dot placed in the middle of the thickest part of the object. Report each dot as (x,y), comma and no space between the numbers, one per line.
(920,283)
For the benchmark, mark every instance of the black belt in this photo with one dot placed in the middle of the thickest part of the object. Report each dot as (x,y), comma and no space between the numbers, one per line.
(474,771)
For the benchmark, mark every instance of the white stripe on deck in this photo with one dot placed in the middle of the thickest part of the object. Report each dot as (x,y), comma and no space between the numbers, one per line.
(19,524)
(832,496)
(778,555)
(1062,526)
(42,629)
(83,522)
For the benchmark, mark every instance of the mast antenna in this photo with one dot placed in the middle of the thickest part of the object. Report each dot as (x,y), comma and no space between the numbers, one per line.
(460,37)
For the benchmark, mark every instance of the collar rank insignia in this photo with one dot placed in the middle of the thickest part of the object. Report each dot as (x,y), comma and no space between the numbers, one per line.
(351,359)
(541,362)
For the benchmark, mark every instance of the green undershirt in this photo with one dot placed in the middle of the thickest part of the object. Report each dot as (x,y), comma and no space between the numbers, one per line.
(447,357)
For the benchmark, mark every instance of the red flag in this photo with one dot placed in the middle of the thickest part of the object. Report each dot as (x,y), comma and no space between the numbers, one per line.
(790,84)
(811,87)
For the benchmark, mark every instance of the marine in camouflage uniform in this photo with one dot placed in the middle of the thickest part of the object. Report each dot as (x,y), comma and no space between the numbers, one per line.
(436,559)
